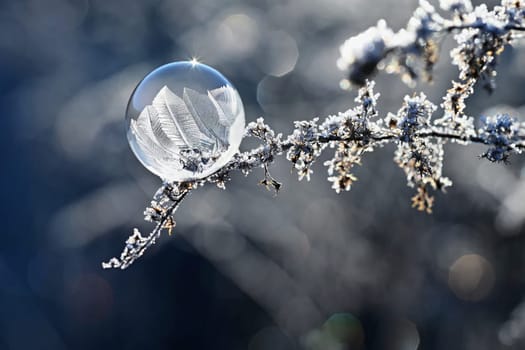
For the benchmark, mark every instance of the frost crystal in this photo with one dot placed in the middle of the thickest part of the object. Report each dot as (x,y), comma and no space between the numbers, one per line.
(364,51)
(481,35)
(502,134)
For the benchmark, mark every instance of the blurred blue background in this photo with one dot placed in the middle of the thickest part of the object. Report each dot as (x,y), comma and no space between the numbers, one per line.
(308,269)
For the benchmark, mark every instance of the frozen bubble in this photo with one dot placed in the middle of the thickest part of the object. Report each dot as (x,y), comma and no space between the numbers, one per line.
(185,121)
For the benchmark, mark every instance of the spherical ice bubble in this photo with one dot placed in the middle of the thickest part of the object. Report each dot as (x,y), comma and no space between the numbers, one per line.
(185,121)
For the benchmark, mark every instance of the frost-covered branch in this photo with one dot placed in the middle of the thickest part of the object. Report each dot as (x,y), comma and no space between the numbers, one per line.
(419,135)
(480,34)
(164,204)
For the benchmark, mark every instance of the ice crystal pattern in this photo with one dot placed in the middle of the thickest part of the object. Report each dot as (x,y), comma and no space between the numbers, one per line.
(185,121)
(188,133)
(419,129)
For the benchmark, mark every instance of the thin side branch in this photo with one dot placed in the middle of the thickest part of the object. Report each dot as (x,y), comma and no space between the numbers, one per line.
(168,199)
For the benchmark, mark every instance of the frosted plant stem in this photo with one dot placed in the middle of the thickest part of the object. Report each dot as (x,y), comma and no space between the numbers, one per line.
(170,196)
(234,165)
(166,217)
(136,244)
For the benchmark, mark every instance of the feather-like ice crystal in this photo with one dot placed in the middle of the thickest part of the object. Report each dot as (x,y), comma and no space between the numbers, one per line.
(185,121)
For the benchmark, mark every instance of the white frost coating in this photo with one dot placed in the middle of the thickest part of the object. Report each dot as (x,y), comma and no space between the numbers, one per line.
(188,138)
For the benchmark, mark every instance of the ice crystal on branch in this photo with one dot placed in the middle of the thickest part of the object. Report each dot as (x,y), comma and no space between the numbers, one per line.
(502,134)
(165,201)
(419,129)
(415,116)
(305,147)
(362,53)
(421,158)
(411,52)
(481,36)
(355,132)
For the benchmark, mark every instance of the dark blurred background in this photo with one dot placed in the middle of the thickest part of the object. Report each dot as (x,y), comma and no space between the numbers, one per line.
(307,269)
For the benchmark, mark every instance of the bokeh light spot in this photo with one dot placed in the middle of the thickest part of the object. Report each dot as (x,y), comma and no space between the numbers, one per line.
(471,277)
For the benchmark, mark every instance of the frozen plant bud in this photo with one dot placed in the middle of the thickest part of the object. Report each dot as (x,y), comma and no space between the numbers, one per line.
(185,121)
(361,54)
